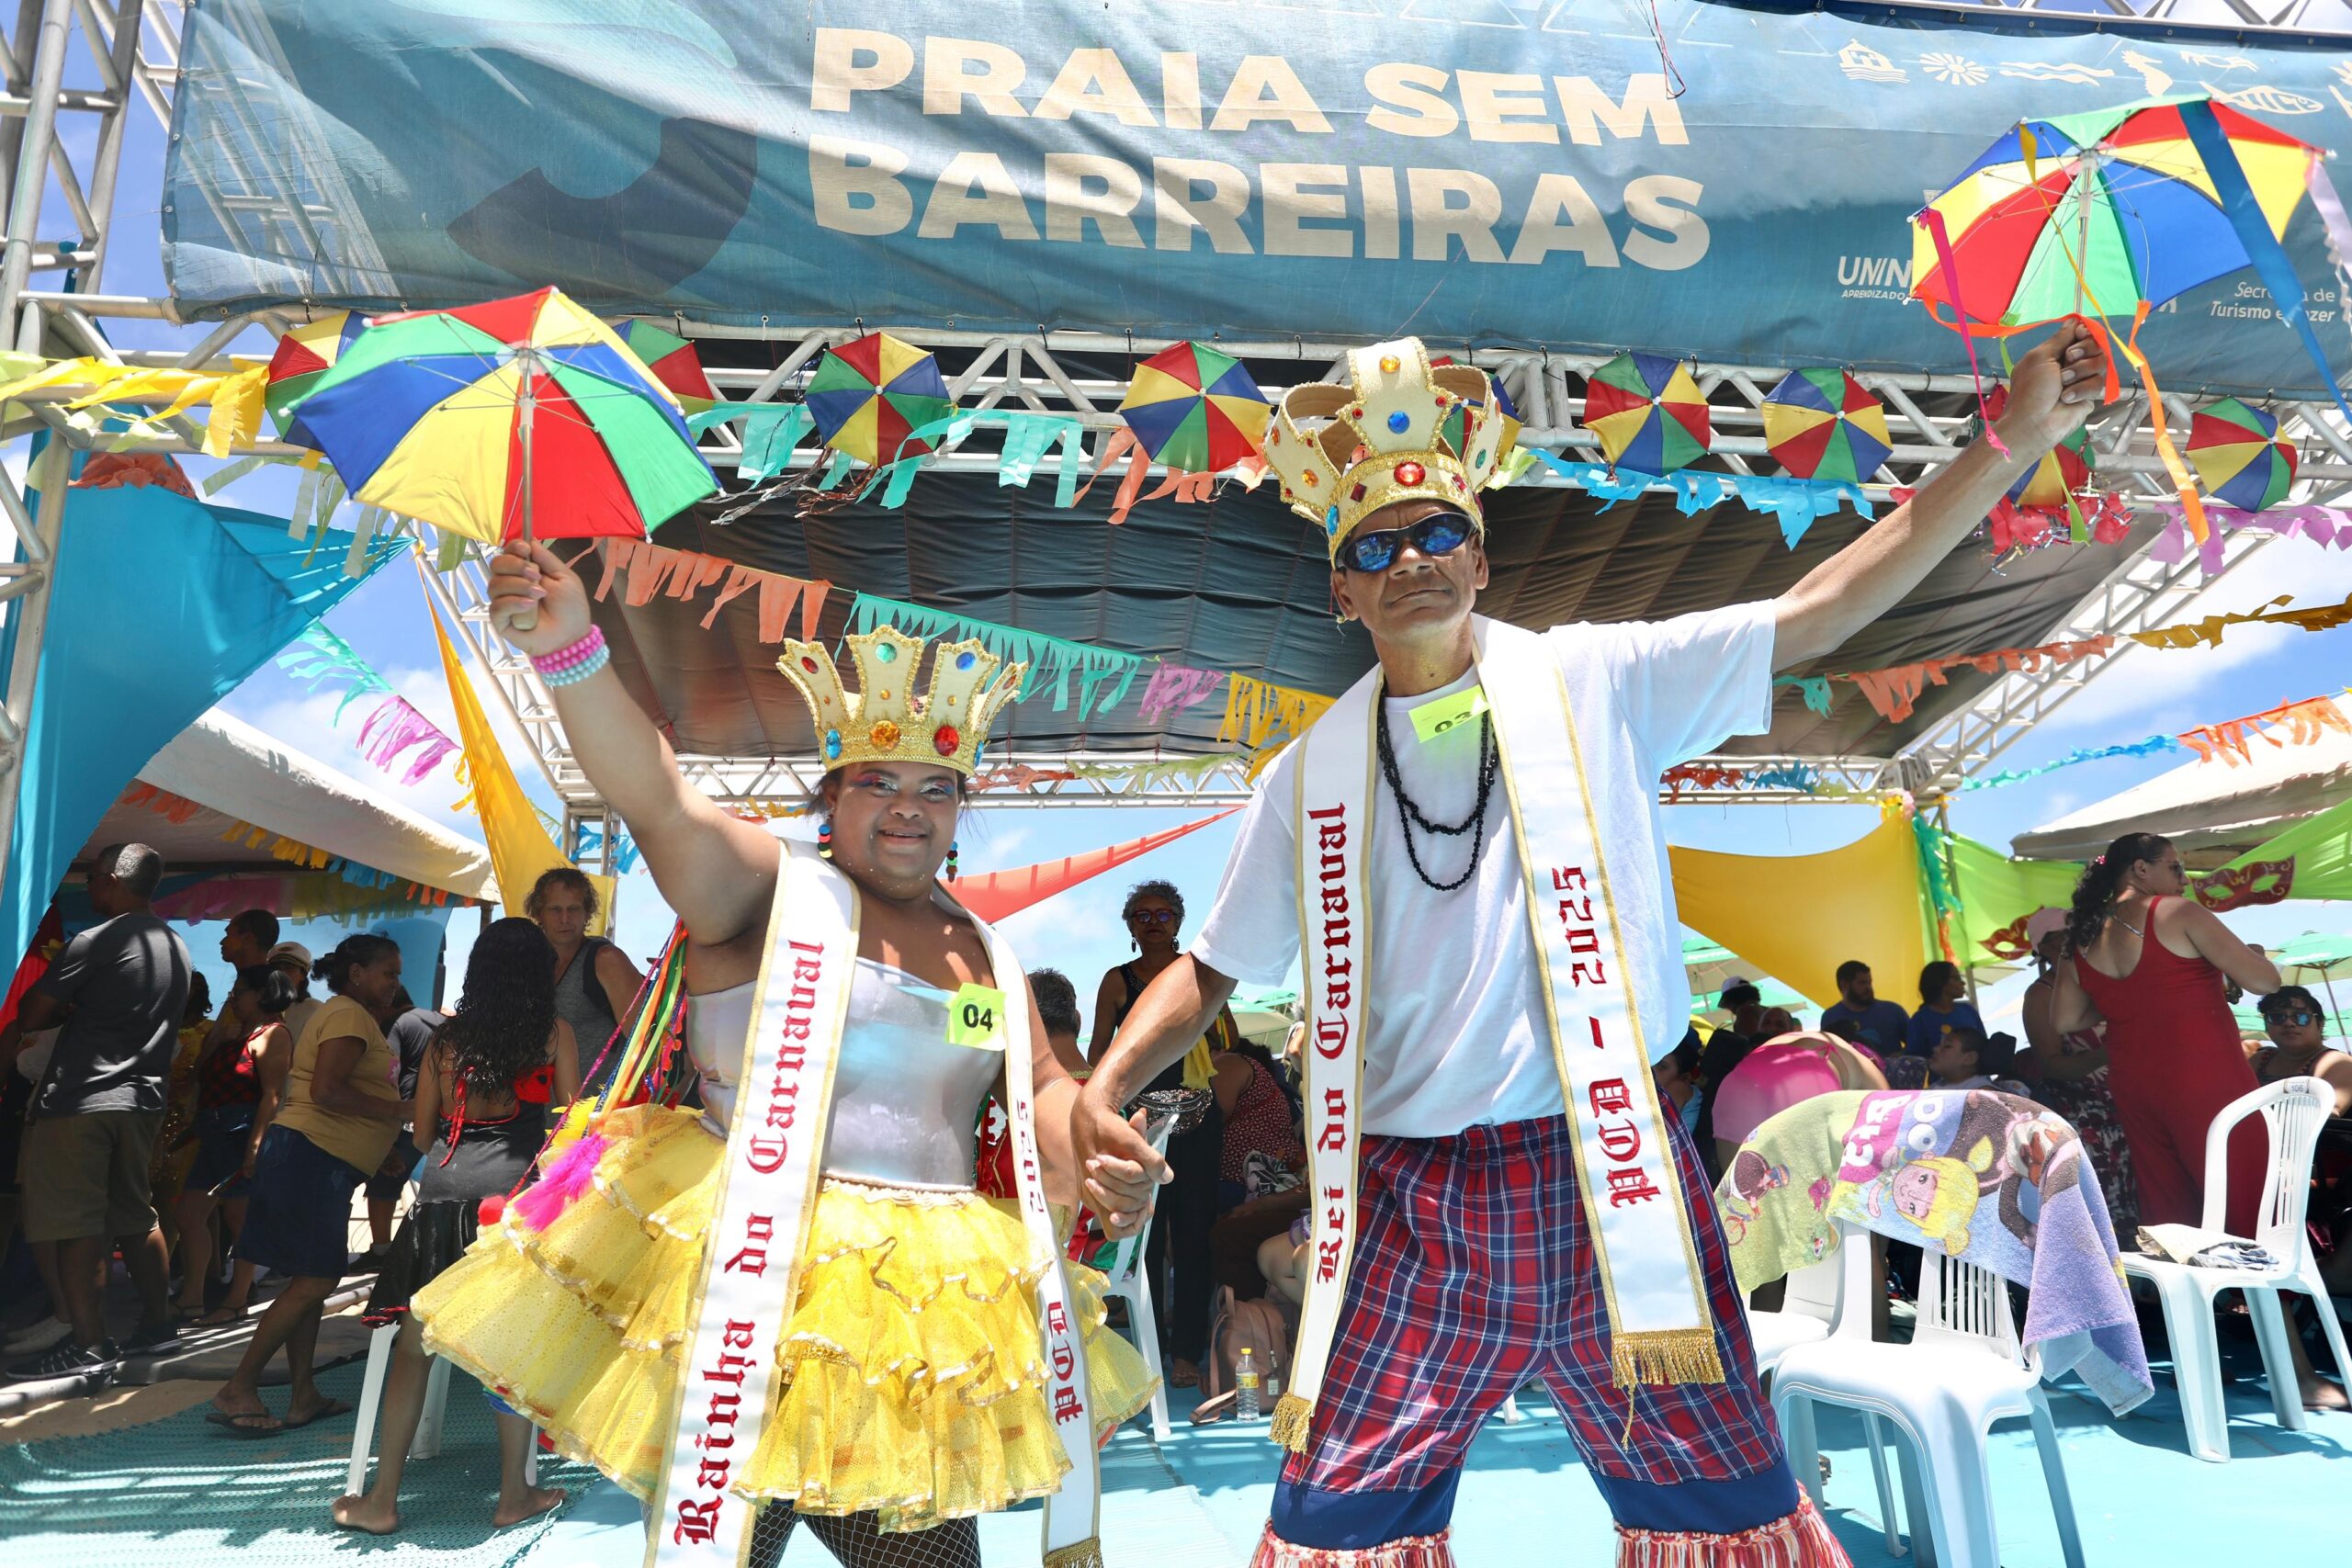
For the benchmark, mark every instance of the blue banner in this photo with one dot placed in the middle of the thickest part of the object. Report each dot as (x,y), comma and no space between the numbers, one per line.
(1735,187)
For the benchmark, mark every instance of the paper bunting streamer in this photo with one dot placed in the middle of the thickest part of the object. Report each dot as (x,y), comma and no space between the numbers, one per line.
(649,569)
(296,852)
(176,810)
(2323,526)
(1822,424)
(396,726)
(1795,502)
(1052,660)
(1174,687)
(2208,632)
(320,658)
(1814,689)
(2304,722)
(2149,747)
(1258,711)
(2236,452)
(1698,775)
(1893,690)
(587,839)
(1649,414)
(232,401)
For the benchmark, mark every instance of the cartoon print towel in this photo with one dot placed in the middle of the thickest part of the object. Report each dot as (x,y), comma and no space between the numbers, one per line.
(1992,1179)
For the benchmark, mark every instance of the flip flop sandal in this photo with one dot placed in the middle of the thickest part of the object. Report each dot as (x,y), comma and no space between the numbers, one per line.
(247,1426)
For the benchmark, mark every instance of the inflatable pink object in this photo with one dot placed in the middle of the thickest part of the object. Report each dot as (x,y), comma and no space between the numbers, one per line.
(1775,1076)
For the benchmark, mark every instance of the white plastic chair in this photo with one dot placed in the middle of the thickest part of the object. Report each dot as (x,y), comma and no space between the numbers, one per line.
(2293,1111)
(1961,1372)
(1127,1284)
(428,1443)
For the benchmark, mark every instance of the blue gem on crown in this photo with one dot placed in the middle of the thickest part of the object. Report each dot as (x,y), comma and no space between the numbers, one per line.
(832,744)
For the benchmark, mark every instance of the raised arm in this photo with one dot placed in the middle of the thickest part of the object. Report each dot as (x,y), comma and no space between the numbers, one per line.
(2049,395)
(718,873)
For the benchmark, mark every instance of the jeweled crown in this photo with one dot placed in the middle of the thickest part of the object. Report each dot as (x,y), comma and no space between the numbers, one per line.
(883,721)
(1401,428)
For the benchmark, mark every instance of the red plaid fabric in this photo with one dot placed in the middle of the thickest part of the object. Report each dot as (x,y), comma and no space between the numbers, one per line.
(1473,1274)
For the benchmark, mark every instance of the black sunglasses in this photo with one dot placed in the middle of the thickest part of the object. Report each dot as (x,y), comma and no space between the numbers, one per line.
(1440,534)
(2298,1016)
(1153,916)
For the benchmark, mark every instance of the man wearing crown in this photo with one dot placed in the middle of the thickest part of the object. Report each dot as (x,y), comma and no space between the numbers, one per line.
(1465,858)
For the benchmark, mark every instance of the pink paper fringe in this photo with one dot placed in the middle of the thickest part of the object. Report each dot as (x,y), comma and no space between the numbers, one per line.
(394,728)
(565,1179)
(1173,687)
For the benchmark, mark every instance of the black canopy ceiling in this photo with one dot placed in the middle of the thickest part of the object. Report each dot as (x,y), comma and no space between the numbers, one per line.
(1239,583)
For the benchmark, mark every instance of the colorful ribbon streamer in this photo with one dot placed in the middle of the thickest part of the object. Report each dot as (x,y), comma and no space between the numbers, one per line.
(1052,660)
(1795,502)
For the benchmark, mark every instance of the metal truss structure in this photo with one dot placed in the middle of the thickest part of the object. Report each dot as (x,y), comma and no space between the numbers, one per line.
(75,67)
(2219,17)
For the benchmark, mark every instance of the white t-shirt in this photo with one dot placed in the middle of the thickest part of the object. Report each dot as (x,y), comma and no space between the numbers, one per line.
(1455,1033)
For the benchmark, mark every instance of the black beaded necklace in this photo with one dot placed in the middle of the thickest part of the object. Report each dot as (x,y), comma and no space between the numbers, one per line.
(1489,762)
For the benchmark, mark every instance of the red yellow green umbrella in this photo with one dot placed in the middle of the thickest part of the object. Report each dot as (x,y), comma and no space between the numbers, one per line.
(674,361)
(1822,424)
(1649,414)
(304,354)
(867,395)
(2064,470)
(2236,451)
(1196,409)
(520,417)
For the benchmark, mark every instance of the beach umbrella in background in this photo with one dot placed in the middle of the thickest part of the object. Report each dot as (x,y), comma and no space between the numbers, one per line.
(2236,452)
(867,395)
(304,355)
(520,418)
(1649,414)
(673,360)
(2315,958)
(1195,409)
(1822,424)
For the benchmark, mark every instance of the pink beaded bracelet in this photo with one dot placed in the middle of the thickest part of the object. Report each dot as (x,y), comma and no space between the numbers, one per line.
(570,656)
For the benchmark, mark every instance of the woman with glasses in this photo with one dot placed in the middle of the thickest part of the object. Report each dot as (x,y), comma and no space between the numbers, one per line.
(1187,1209)
(2299,1047)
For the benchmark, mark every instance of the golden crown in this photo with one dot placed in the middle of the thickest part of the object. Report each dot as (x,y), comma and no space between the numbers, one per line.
(883,721)
(1401,428)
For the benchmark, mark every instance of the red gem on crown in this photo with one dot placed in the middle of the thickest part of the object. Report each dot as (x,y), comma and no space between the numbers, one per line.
(1410,473)
(944,740)
(809,664)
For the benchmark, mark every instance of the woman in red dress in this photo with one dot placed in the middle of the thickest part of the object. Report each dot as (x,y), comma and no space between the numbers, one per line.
(2154,963)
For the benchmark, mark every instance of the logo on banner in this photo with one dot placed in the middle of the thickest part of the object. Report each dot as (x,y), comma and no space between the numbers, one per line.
(1874,277)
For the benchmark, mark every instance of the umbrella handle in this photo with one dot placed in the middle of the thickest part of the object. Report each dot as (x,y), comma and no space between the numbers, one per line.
(527,619)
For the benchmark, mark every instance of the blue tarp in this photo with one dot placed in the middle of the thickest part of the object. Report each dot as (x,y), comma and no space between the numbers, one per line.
(159,606)
(1473,171)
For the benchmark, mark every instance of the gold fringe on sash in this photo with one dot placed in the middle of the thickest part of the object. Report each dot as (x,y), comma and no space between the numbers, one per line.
(1668,1356)
(1293,1415)
(1087,1553)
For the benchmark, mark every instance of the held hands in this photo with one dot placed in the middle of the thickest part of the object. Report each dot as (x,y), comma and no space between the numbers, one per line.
(529,577)
(1117,1161)
(2053,390)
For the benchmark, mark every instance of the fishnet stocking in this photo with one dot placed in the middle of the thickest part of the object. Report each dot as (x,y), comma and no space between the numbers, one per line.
(857,1541)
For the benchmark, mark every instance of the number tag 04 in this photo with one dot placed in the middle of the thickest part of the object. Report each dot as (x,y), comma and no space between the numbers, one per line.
(975,1017)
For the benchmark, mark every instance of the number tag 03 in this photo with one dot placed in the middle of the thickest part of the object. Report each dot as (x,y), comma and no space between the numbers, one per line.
(976,1018)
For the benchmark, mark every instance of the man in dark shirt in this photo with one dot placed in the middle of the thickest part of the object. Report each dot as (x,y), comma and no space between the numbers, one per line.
(119,989)
(1861,1017)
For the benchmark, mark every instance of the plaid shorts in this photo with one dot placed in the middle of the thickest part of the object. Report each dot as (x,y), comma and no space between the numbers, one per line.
(1473,1274)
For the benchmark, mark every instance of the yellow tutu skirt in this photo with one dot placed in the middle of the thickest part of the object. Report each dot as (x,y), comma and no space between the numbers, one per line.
(912,1368)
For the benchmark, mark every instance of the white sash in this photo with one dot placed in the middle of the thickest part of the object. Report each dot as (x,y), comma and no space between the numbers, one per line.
(752,1259)
(752,1254)
(1659,1327)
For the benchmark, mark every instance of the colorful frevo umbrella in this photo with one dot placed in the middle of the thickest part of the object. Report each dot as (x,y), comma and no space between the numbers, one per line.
(1195,409)
(868,396)
(674,361)
(304,354)
(1648,413)
(2105,215)
(2236,451)
(520,418)
(1822,424)
(2053,484)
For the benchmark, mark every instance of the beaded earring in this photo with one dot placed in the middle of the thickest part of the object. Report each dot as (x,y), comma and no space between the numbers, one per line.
(825,838)
(950,860)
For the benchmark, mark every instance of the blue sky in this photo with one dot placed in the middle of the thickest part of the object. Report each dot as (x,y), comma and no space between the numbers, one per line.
(2139,692)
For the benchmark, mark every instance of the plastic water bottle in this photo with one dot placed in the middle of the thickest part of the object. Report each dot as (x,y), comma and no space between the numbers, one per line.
(1245,1387)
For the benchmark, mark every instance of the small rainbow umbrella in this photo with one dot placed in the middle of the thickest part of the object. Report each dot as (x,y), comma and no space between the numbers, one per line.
(1821,425)
(1196,409)
(2064,469)
(518,418)
(304,354)
(2236,451)
(866,396)
(674,361)
(1649,414)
